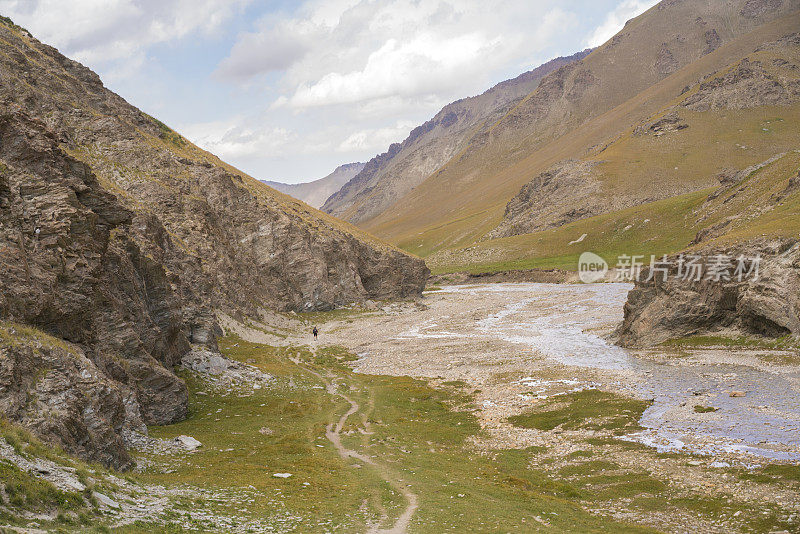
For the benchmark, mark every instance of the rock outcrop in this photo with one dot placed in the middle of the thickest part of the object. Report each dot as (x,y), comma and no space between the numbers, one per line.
(766,305)
(748,85)
(55,390)
(123,239)
(565,193)
(70,268)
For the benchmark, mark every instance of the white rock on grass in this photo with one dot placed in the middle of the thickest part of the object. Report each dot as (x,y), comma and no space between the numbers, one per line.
(282,475)
(105,500)
(188,442)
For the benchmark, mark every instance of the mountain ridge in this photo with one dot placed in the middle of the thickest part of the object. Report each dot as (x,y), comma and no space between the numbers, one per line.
(316,192)
(576,112)
(121,241)
(404,165)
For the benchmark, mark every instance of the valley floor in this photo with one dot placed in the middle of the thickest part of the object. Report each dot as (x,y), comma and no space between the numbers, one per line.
(483,408)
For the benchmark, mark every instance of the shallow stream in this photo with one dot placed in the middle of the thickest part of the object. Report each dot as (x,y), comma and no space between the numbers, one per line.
(567,324)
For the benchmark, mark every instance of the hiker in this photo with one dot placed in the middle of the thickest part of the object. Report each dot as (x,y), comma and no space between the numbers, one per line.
(315,332)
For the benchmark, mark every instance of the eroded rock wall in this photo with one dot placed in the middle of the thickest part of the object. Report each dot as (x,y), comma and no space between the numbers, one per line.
(658,310)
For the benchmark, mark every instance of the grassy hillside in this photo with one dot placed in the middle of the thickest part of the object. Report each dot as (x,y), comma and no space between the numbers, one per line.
(459,204)
(762,204)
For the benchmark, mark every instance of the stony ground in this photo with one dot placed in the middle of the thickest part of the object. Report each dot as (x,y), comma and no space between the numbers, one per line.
(485,408)
(514,346)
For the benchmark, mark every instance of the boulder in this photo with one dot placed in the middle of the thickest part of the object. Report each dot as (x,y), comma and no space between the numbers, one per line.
(188,442)
(769,305)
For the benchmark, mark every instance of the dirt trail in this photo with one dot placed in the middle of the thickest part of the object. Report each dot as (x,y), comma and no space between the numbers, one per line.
(334,431)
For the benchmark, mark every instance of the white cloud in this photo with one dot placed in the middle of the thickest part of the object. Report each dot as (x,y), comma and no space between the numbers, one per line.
(355,52)
(313,83)
(237,137)
(275,47)
(424,65)
(102,31)
(376,139)
(616,19)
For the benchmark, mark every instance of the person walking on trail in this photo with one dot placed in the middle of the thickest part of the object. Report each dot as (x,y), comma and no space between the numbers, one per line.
(315,332)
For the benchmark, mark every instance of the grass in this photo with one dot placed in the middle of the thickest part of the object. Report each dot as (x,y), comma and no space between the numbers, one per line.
(704,409)
(19,334)
(415,432)
(657,228)
(22,493)
(662,227)
(10,23)
(27,492)
(420,434)
(590,409)
(334,357)
(168,134)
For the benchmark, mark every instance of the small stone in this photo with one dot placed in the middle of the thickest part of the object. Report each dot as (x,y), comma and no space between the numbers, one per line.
(105,500)
(188,443)
(281,475)
(266,431)
(74,485)
(736,393)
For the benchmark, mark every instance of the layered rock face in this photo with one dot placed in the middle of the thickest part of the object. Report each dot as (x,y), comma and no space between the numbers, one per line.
(560,195)
(70,269)
(56,391)
(123,239)
(769,305)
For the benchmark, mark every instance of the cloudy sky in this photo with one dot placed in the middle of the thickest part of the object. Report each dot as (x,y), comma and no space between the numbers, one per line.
(289,90)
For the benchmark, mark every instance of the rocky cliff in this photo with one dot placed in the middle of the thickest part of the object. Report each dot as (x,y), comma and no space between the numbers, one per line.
(121,240)
(765,305)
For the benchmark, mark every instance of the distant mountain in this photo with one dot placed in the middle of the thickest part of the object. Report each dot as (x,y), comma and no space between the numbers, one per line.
(623,145)
(389,176)
(317,192)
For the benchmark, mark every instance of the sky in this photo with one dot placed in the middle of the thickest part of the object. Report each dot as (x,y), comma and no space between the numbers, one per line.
(288,91)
